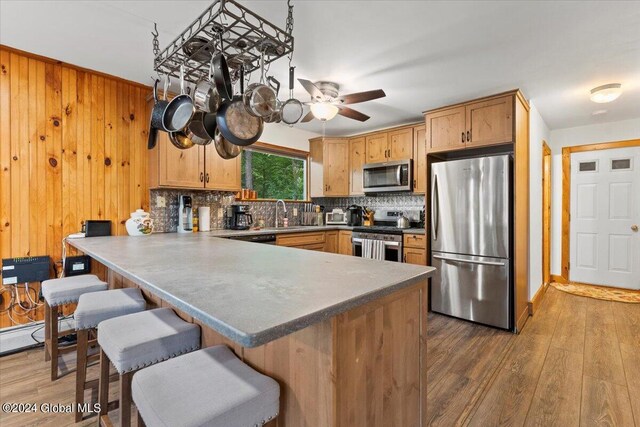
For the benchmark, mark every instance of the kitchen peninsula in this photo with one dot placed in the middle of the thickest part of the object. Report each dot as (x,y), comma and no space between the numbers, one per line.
(344,336)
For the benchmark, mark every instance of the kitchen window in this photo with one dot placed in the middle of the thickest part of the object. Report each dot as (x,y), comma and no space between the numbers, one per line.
(275,172)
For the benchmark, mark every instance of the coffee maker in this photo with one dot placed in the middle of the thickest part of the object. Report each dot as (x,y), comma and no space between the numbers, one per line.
(354,215)
(185,214)
(238,217)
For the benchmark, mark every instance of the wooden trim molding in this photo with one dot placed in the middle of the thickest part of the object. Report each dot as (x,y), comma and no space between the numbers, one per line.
(566,190)
(546,213)
(535,302)
(558,279)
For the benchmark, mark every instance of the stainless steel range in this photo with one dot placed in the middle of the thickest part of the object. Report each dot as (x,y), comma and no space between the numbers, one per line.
(385,231)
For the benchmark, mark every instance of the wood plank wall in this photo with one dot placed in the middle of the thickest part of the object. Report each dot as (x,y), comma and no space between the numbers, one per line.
(72,147)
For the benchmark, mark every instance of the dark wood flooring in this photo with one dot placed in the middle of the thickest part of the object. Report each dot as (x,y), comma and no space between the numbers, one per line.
(576,363)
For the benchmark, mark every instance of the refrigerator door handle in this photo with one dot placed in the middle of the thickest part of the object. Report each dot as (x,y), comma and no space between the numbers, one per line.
(434,208)
(468,261)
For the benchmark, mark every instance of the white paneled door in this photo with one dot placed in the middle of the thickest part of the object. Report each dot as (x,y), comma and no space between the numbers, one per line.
(605,216)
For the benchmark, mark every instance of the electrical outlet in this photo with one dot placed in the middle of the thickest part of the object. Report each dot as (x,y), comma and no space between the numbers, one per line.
(295,212)
(161,202)
(220,213)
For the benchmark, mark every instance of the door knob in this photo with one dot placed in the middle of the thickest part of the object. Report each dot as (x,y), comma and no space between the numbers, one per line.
(634,227)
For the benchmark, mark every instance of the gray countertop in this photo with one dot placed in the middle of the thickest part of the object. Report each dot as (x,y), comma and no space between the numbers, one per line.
(250,293)
(294,229)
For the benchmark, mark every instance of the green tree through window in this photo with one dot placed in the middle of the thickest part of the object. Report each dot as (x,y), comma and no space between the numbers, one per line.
(274,176)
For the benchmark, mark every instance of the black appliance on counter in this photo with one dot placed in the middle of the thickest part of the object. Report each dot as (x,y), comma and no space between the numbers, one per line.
(355,214)
(238,217)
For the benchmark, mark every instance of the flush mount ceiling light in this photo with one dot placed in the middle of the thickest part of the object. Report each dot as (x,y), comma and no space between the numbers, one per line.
(606,93)
(324,111)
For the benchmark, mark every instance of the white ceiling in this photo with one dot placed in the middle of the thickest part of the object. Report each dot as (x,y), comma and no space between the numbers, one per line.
(423,54)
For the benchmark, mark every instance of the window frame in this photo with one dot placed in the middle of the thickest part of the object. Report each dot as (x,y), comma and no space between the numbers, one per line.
(264,147)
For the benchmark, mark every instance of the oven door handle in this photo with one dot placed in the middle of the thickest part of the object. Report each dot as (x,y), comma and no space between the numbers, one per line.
(469,261)
(358,240)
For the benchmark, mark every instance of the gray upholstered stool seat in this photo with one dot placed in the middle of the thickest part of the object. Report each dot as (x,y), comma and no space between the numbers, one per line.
(209,387)
(68,289)
(141,339)
(95,307)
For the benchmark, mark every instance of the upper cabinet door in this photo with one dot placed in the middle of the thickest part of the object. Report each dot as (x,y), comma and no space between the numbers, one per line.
(490,122)
(446,129)
(419,159)
(336,167)
(377,147)
(179,168)
(400,144)
(221,174)
(357,159)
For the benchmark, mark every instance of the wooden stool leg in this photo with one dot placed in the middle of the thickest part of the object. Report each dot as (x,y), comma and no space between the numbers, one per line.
(53,344)
(103,391)
(47,332)
(125,399)
(81,370)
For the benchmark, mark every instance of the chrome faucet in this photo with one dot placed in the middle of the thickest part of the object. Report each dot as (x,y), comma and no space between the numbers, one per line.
(283,206)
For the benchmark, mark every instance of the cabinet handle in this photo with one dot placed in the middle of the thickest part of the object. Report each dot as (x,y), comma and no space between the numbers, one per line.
(462,138)
(207,177)
(468,136)
(201,176)
(404,258)
(414,184)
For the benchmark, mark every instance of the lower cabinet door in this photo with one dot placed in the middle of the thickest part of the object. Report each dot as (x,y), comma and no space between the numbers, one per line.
(415,256)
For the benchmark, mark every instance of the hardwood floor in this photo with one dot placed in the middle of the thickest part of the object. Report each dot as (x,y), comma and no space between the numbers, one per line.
(574,364)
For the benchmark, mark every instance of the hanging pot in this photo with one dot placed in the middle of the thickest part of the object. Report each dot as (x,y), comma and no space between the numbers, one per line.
(180,109)
(260,99)
(225,149)
(180,140)
(235,123)
(291,110)
(221,77)
(159,106)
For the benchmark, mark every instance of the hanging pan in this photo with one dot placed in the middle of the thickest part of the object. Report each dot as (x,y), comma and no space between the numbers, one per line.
(235,123)
(180,109)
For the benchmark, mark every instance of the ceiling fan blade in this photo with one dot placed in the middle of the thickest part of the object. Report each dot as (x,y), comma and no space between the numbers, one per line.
(308,117)
(312,89)
(354,98)
(352,114)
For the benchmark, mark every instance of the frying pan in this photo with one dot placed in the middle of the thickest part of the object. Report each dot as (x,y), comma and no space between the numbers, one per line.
(260,99)
(221,77)
(155,121)
(291,110)
(180,109)
(235,123)
(225,149)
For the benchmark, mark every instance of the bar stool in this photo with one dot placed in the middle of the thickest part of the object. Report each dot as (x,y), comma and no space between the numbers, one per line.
(209,387)
(92,309)
(57,292)
(137,340)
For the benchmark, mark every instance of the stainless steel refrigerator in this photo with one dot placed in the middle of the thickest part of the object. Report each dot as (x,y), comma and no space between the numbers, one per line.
(471,217)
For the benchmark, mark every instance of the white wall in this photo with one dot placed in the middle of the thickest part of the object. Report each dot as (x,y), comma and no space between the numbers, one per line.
(538,131)
(285,136)
(603,132)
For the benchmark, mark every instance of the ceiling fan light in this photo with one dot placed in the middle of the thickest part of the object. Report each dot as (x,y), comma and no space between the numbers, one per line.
(324,111)
(606,93)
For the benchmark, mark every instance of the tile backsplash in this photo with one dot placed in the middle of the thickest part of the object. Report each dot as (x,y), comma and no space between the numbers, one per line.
(165,218)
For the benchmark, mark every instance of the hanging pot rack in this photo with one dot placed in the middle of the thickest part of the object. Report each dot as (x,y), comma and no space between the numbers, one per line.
(227,27)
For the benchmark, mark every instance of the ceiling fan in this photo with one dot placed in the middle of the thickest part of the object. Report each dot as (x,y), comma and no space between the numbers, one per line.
(326,103)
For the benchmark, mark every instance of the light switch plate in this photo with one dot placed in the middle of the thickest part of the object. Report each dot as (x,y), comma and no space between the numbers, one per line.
(220,213)
(161,202)
(295,212)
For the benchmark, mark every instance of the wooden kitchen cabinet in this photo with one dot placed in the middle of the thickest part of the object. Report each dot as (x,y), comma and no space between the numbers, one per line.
(400,144)
(415,249)
(376,147)
(419,159)
(302,240)
(473,124)
(357,158)
(489,122)
(344,242)
(331,242)
(445,129)
(171,167)
(336,168)
(196,168)
(221,174)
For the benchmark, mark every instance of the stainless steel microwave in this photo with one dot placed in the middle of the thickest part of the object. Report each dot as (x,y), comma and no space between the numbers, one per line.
(387,176)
